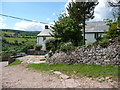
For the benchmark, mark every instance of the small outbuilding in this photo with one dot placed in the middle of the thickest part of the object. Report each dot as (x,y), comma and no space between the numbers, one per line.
(43,35)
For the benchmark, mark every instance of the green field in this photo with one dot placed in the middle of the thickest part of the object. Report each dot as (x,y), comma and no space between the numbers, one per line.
(12,40)
(16,41)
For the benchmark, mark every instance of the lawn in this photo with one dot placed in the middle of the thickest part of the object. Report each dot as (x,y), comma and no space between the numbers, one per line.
(80,70)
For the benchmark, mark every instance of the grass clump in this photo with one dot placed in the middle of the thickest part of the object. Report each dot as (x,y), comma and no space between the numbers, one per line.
(16,62)
(80,69)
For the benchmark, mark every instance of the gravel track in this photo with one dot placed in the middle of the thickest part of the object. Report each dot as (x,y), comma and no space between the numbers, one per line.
(20,77)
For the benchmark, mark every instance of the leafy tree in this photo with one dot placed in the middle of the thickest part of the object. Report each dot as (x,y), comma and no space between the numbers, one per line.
(52,44)
(67,47)
(81,11)
(114,31)
(67,30)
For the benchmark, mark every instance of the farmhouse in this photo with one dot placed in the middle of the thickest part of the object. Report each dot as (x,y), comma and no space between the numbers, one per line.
(93,30)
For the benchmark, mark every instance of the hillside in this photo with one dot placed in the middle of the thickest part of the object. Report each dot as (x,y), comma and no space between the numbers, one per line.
(15,41)
(12,32)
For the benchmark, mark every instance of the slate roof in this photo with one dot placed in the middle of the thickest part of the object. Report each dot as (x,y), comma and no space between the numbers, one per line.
(45,32)
(99,26)
(91,27)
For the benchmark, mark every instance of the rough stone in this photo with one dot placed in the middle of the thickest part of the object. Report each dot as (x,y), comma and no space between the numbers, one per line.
(57,72)
(63,76)
(88,55)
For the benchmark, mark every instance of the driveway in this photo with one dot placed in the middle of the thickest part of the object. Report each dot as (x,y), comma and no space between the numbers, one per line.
(32,59)
(19,76)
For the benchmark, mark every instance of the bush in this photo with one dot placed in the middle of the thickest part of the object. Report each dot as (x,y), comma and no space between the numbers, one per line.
(38,47)
(104,43)
(117,38)
(67,46)
(52,44)
(113,32)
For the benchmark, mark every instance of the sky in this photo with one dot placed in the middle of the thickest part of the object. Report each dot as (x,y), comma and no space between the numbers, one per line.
(46,12)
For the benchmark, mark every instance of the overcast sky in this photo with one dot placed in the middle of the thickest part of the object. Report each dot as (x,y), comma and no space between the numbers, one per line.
(43,12)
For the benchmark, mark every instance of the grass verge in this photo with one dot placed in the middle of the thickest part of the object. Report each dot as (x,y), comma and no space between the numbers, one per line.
(16,62)
(80,70)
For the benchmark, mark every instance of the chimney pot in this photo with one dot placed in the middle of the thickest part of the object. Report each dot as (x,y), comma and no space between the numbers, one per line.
(46,27)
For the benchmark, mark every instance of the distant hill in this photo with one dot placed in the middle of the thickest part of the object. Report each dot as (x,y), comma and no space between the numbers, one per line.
(26,33)
(15,41)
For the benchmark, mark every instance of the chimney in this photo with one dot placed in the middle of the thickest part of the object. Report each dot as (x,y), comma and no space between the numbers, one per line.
(46,27)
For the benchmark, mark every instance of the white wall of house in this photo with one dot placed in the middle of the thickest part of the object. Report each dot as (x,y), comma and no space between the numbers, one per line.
(41,41)
(90,38)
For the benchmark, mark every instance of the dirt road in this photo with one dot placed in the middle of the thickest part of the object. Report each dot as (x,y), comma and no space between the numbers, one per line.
(19,76)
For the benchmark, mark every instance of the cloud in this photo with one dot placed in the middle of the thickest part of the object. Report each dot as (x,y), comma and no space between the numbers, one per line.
(101,12)
(47,19)
(2,24)
(29,26)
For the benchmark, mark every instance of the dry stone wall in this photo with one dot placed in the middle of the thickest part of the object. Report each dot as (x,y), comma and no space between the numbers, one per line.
(89,55)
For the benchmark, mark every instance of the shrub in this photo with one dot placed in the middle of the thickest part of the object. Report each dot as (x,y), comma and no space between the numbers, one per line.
(104,43)
(52,44)
(113,32)
(117,38)
(38,47)
(67,46)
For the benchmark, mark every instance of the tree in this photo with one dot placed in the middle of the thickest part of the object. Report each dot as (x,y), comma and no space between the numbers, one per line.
(113,31)
(67,30)
(52,44)
(116,11)
(114,26)
(81,11)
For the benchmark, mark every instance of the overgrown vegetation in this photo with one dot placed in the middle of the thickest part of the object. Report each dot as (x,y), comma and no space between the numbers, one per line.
(80,70)
(67,46)
(52,44)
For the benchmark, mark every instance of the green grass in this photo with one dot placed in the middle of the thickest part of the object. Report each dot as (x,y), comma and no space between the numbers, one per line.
(8,33)
(81,70)
(16,62)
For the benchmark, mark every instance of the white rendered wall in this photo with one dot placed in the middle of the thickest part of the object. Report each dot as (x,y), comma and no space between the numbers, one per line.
(41,41)
(90,38)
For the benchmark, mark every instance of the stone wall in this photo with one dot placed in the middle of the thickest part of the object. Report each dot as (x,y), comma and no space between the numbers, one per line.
(89,55)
